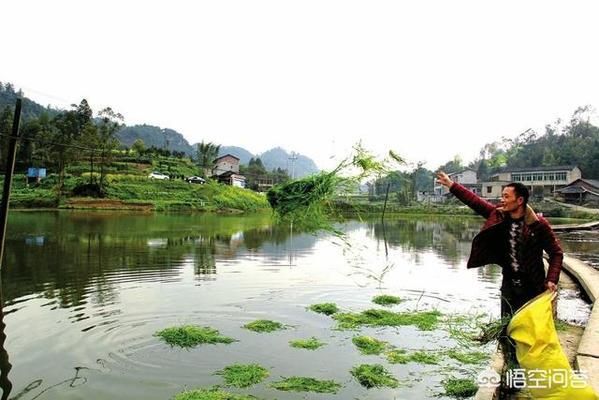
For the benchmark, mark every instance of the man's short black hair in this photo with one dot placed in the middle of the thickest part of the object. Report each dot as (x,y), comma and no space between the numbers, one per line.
(520,190)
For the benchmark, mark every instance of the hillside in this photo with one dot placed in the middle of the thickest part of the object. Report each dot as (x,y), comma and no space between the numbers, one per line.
(165,138)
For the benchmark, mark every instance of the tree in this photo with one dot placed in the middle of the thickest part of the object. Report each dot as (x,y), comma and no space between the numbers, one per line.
(206,154)
(69,126)
(109,124)
(139,147)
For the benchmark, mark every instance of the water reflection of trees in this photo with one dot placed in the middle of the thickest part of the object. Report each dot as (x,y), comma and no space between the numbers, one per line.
(450,239)
(74,259)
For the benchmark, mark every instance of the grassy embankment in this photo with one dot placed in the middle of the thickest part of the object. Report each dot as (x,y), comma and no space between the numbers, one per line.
(128,187)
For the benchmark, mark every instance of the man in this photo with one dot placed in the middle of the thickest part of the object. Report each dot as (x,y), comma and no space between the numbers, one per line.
(514,237)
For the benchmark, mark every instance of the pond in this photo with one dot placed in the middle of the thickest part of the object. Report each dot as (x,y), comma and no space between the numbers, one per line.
(85,292)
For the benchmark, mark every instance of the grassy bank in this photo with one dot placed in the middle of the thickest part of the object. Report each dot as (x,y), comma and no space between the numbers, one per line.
(128,191)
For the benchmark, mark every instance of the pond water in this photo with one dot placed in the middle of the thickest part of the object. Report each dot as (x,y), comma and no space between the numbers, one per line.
(84,293)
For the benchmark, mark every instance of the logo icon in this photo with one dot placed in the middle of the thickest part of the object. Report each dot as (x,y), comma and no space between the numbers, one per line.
(488,378)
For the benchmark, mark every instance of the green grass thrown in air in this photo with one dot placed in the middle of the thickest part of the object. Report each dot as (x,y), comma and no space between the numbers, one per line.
(264,325)
(192,335)
(303,384)
(243,375)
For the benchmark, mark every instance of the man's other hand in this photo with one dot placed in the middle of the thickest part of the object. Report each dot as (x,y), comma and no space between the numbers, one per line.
(551,286)
(443,179)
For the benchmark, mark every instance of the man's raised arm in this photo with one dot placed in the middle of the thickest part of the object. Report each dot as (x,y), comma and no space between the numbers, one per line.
(479,205)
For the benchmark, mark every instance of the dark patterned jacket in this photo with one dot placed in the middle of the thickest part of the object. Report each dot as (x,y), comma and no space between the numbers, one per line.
(488,245)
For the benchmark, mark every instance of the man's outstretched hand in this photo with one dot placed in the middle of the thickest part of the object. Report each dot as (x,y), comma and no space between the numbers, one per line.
(443,179)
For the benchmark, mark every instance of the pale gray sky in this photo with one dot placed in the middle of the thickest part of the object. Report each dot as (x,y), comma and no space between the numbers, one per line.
(429,79)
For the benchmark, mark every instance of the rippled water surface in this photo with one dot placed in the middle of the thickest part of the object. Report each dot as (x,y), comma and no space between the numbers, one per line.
(84,294)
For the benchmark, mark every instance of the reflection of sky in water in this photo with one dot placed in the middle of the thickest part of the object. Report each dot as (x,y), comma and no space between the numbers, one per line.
(98,289)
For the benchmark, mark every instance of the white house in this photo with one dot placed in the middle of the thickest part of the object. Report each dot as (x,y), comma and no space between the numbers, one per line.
(541,181)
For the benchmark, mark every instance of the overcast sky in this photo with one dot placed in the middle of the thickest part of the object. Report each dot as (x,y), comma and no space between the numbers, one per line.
(428,79)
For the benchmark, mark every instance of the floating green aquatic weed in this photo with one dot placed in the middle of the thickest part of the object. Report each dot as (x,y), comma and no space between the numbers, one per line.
(369,345)
(386,300)
(243,375)
(460,387)
(309,344)
(473,357)
(192,335)
(400,356)
(212,394)
(324,308)
(424,320)
(374,375)
(264,325)
(303,384)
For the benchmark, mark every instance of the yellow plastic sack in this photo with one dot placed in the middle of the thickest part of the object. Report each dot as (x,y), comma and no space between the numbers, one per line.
(545,372)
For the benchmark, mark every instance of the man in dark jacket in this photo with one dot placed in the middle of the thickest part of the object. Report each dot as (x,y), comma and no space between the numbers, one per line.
(514,237)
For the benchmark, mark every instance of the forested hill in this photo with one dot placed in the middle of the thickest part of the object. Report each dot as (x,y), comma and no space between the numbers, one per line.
(155,136)
(162,138)
(29,110)
(572,143)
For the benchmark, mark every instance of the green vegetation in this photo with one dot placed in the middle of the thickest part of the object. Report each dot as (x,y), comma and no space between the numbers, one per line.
(561,326)
(460,387)
(212,394)
(369,345)
(374,375)
(324,308)
(386,300)
(243,375)
(263,325)
(425,320)
(400,356)
(309,344)
(307,202)
(303,384)
(192,335)
(474,357)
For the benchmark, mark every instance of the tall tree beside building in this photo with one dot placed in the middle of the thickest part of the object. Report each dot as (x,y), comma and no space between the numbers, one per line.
(206,153)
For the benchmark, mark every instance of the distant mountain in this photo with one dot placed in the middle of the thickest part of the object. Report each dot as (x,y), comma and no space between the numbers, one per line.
(29,109)
(279,158)
(243,155)
(154,136)
(168,138)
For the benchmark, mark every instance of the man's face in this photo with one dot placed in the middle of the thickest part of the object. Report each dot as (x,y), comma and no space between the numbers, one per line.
(509,201)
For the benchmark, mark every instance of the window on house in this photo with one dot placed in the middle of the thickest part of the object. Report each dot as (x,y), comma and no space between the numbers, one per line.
(489,189)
